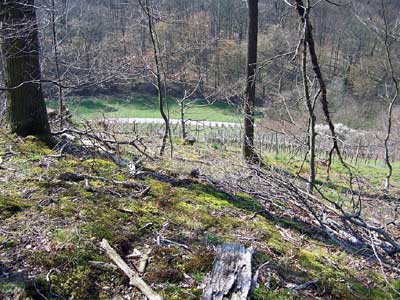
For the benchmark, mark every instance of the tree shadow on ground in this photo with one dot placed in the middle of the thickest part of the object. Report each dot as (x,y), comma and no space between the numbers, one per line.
(255,207)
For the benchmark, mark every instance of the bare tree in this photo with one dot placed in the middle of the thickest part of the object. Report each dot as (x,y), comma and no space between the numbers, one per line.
(391,96)
(160,79)
(310,104)
(57,60)
(387,34)
(309,43)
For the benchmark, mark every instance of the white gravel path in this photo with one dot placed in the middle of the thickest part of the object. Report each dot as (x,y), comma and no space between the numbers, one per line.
(172,122)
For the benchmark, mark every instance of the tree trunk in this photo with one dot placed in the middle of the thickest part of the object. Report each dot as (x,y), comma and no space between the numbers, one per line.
(183,123)
(304,13)
(26,109)
(231,277)
(57,62)
(249,102)
(311,117)
(161,85)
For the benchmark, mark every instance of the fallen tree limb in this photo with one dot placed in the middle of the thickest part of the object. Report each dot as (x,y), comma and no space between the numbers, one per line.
(102,138)
(282,198)
(304,286)
(76,177)
(134,279)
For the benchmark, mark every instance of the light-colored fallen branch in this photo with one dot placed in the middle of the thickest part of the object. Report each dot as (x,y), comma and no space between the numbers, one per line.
(125,210)
(142,257)
(304,286)
(147,225)
(134,278)
(254,281)
(161,240)
(143,261)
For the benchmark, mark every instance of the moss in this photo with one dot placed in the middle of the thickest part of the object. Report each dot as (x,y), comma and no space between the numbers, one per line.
(339,281)
(192,217)
(311,260)
(158,188)
(209,238)
(373,294)
(218,199)
(65,207)
(79,283)
(260,294)
(10,206)
(102,166)
(166,267)
(145,213)
(34,147)
(67,257)
(281,294)
(7,243)
(213,201)
(199,262)
(104,226)
(198,215)
(12,290)
(270,233)
(175,292)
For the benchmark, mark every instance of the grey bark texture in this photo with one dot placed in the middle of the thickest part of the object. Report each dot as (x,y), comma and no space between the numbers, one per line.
(231,277)
(26,110)
(250,97)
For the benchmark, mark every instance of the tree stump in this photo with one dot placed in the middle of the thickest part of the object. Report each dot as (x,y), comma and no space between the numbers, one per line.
(231,277)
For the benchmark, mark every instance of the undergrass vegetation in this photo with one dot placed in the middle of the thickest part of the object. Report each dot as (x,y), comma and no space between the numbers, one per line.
(59,237)
(371,170)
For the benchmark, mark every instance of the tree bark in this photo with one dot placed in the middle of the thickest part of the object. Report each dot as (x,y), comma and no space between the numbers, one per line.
(304,13)
(160,86)
(231,277)
(249,102)
(26,109)
(183,122)
(311,117)
(57,61)
(393,99)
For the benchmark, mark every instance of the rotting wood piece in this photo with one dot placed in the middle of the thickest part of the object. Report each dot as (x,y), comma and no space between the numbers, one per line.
(231,277)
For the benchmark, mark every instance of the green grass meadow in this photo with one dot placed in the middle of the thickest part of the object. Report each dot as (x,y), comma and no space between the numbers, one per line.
(144,106)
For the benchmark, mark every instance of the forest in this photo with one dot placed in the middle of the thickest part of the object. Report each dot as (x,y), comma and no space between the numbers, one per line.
(199,149)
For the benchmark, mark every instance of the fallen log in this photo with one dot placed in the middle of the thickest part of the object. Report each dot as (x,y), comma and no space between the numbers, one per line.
(134,279)
(231,277)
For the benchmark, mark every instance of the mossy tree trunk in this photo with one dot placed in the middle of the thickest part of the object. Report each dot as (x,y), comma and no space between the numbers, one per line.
(26,109)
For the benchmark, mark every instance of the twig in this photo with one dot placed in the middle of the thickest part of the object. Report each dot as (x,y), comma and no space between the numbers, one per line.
(304,286)
(134,278)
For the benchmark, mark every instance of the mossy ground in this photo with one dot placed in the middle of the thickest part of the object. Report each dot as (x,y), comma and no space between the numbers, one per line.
(51,229)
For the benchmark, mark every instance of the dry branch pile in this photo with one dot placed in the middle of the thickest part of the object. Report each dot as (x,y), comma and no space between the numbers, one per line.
(284,199)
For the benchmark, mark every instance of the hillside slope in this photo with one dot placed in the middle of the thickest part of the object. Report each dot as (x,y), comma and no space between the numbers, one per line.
(52,221)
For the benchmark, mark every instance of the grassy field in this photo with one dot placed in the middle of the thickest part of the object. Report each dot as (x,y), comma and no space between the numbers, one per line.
(144,106)
(373,172)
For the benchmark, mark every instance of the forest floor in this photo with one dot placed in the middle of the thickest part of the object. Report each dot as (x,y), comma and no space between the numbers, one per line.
(52,221)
